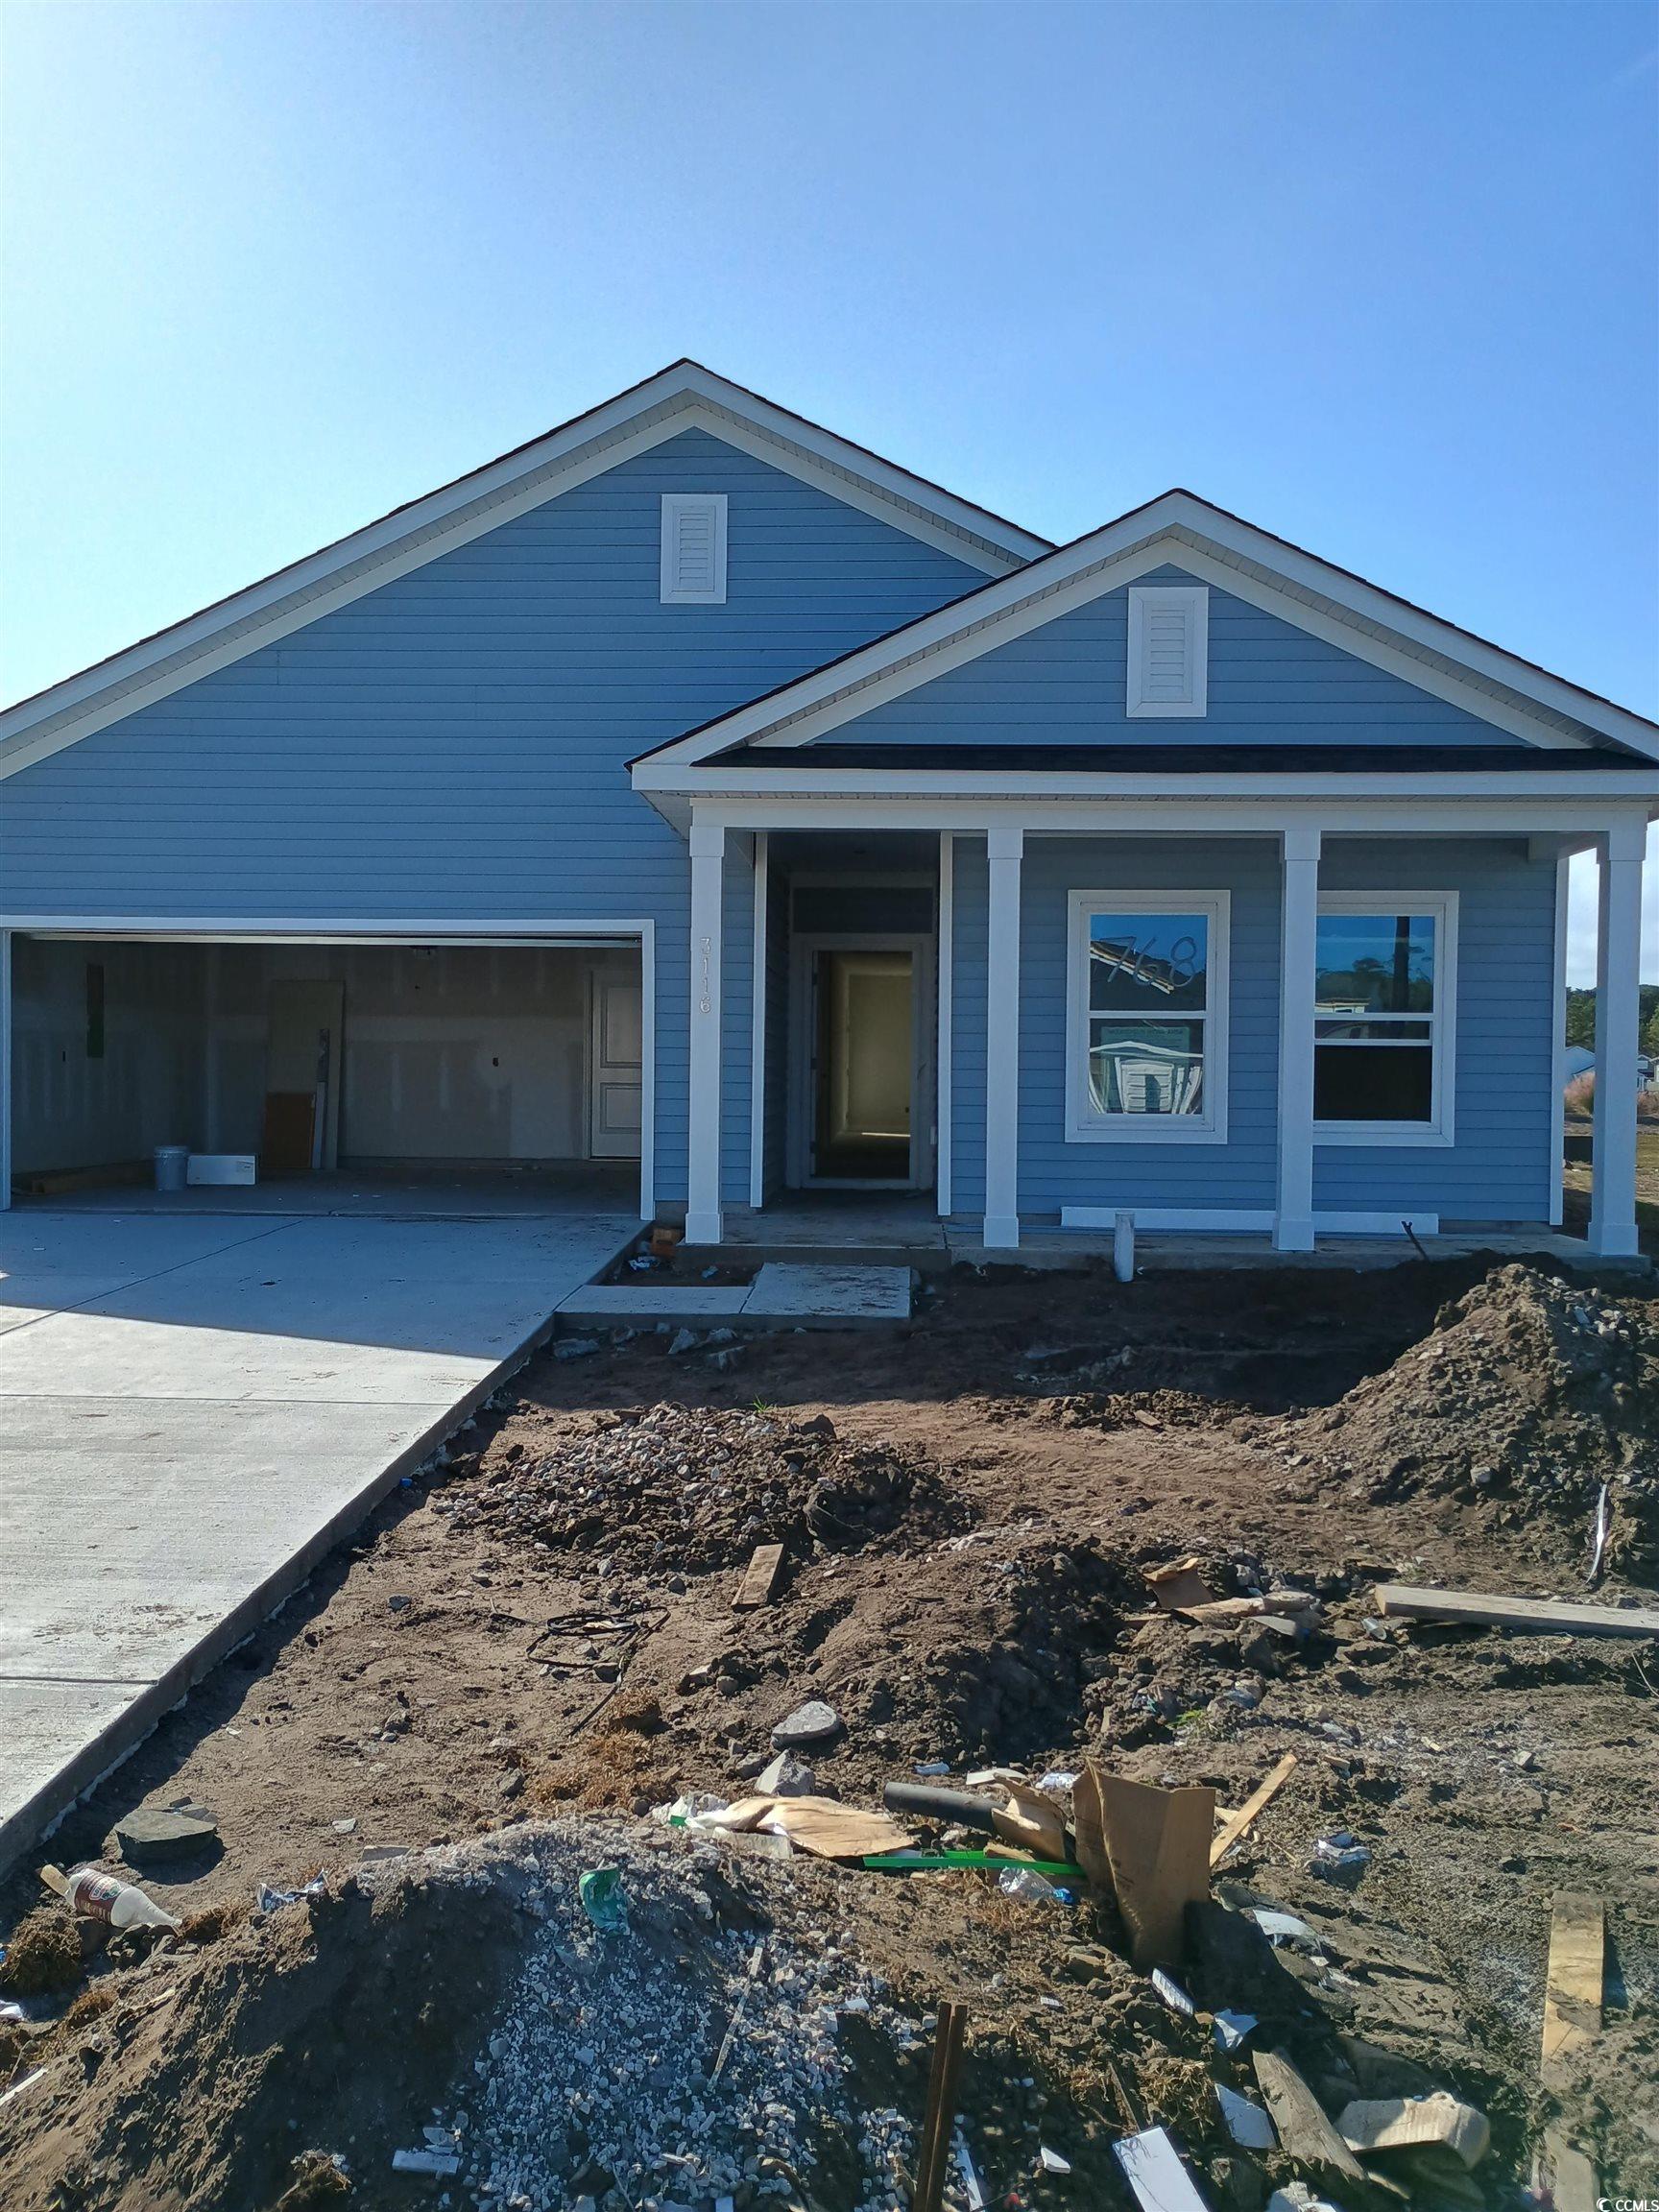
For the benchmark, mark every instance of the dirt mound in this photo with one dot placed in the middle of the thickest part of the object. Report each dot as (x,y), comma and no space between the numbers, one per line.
(730,2034)
(664,1490)
(1528,1391)
(1011,1675)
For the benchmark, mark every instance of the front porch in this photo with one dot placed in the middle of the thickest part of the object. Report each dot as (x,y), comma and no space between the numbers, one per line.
(905,1230)
(997,1092)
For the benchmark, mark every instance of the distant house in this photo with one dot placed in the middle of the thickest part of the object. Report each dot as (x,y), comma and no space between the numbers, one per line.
(692,786)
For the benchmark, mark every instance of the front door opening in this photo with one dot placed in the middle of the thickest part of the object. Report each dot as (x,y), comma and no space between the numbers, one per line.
(864,1061)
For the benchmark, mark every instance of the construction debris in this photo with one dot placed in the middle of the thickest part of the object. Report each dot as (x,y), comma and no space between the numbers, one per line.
(1152,1846)
(1406,2123)
(1572,1988)
(1153,2170)
(759,1577)
(1235,1823)
(1308,2136)
(755,2021)
(1527,1616)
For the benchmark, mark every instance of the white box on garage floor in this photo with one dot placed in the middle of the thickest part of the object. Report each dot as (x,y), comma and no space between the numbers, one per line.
(220,1168)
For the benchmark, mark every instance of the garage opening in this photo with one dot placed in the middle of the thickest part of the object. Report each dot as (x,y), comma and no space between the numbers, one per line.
(373,1059)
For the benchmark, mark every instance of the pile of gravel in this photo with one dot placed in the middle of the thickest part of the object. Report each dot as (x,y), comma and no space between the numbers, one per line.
(1530,1392)
(668,1490)
(596,2078)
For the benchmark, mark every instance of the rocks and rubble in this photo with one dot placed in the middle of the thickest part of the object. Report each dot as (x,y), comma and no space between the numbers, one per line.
(667,1490)
(596,2075)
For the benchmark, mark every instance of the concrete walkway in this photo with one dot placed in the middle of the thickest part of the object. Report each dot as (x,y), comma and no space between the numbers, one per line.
(193,1411)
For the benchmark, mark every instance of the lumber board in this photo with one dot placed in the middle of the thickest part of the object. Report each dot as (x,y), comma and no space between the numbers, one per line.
(1538,1616)
(1573,1986)
(1235,1823)
(1574,2185)
(1305,2135)
(760,1579)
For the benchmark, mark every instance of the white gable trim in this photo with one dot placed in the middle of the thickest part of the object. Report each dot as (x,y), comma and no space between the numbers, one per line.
(1214,548)
(684,398)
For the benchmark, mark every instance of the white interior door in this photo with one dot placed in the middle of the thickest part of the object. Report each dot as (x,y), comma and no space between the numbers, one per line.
(617,1071)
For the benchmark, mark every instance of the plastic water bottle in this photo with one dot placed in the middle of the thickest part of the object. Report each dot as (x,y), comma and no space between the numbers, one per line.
(101,1896)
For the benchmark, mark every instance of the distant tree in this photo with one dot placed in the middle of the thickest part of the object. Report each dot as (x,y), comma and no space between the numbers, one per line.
(1582,1018)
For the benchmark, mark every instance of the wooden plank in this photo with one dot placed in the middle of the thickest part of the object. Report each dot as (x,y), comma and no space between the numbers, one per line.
(760,1579)
(1156,1846)
(1235,1823)
(1573,2181)
(1305,2133)
(1539,1616)
(1573,1986)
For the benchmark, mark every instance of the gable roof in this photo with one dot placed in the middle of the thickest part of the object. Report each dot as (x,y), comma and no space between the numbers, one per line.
(684,396)
(1217,547)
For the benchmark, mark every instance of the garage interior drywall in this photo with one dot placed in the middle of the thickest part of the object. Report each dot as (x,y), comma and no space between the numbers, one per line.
(464,1054)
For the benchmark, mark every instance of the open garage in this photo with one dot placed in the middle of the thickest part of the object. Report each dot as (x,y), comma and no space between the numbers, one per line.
(315,1057)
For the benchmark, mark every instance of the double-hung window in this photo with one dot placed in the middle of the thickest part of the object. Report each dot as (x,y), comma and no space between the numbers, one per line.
(1383,1018)
(1147,1033)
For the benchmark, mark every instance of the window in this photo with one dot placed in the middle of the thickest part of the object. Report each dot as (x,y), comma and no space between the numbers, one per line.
(1168,650)
(694,548)
(1382,1018)
(1146,1040)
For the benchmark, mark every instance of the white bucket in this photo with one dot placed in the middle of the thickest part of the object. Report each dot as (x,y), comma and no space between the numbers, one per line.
(172,1163)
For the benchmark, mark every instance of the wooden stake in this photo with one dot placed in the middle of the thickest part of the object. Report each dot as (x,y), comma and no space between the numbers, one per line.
(940,2119)
(1235,1823)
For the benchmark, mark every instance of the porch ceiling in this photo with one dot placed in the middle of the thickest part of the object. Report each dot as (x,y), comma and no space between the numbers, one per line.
(862,852)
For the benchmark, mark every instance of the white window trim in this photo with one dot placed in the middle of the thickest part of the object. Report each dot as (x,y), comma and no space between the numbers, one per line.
(1083,1125)
(673,504)
(1439,1132)
(1195,598)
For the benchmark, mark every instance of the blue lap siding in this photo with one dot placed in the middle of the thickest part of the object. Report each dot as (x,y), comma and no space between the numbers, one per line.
(1498,1168)
(453,744)
(1065,683)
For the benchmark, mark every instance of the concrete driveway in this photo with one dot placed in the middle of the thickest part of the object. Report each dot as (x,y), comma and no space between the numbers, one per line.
(193,1410)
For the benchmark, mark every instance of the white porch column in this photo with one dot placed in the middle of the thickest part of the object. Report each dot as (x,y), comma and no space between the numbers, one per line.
(1293,1214)
(1618,974)
(6,1083)
(944,1021)
(703,1117)
(758,1044)
(1006,845)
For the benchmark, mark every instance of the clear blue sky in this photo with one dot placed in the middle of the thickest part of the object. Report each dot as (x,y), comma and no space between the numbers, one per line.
(1383,278)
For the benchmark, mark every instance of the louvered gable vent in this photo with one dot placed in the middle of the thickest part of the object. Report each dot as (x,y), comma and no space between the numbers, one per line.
(1168,649)
(694,548)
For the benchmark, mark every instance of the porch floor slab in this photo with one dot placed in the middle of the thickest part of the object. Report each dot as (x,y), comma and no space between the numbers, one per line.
(829,1296)
(1062,1248)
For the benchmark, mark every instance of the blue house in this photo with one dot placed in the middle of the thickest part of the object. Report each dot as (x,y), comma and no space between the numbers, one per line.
(692,786)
